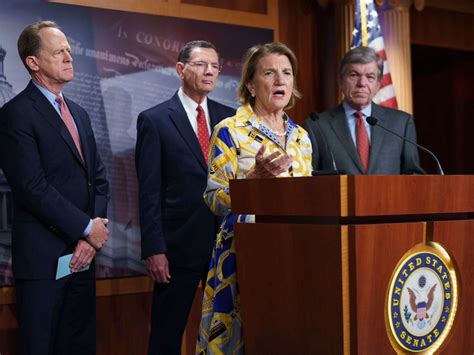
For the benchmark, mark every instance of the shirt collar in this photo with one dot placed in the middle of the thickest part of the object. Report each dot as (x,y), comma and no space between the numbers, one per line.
(189,104)
(366,111)
(246,117)
(51,96)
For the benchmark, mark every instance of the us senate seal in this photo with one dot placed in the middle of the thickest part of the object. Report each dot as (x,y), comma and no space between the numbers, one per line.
(422,299)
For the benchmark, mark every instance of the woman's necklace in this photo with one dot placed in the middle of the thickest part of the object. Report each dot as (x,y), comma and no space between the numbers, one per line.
(273,131)
(279,134)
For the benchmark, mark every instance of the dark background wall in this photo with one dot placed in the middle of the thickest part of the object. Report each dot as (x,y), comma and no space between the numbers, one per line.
(443,106)
(443,86)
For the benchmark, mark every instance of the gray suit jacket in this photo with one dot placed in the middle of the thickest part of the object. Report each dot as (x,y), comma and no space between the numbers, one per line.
(389,155)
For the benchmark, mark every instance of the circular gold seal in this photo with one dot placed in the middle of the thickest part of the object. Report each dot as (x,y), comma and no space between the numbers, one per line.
(422,299)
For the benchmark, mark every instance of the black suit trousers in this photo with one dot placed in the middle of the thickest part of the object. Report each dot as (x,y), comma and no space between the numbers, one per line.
(57,317)
(171,306)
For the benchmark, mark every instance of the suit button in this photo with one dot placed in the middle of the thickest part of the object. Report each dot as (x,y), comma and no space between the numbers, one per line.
(89,184)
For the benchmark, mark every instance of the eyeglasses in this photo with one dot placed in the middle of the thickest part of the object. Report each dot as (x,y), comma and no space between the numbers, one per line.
(201,65)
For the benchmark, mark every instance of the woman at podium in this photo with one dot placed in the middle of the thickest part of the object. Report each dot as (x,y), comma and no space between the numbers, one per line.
(260,141)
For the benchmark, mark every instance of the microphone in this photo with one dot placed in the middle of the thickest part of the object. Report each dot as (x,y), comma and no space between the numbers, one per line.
(315,116)
(374,122)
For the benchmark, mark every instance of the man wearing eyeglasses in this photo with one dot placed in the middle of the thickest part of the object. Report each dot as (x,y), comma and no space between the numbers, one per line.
(177,228)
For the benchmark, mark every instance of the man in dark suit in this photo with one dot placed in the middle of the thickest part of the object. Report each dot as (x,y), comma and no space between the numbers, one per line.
(48,154)
(343,140)
(177,228)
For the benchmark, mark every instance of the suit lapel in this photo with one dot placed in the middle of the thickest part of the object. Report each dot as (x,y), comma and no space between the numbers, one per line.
(180,120)
(377,137)
(44,107)
(51,116)
(213,113)
(341,130)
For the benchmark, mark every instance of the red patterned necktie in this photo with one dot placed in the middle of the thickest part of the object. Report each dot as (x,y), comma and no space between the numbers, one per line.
(203,132)
(363,147)
(69,122)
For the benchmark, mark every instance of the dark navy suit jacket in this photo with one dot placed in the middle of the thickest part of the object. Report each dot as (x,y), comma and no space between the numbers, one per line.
(172,175)
(54,193)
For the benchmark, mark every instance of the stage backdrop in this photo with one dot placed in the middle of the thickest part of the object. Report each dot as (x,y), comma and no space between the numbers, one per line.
(124,63)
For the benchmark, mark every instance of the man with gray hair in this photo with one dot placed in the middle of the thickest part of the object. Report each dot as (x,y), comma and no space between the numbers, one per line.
(60,193)
(343,140)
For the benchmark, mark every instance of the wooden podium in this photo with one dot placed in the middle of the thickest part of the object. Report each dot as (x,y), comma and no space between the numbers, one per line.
(314,268)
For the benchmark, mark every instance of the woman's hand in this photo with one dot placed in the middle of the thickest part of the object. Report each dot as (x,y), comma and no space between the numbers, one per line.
(269,166)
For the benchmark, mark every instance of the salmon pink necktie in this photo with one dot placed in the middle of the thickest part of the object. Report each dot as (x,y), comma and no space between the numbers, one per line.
(69,122)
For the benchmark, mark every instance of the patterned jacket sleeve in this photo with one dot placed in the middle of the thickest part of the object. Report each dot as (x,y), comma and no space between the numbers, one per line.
(306,149)
(222,168)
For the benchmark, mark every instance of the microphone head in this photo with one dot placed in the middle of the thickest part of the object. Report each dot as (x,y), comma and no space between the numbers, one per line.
(314,116)
(371,120)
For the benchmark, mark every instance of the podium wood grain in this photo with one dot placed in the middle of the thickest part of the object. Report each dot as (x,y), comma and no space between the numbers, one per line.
(315,267)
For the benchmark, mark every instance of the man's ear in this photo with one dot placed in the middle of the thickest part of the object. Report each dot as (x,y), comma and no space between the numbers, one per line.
(180,69)
(32,63)
(379,83)
(339,87)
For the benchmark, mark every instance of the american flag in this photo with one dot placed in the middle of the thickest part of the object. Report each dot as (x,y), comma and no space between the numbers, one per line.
(367,33)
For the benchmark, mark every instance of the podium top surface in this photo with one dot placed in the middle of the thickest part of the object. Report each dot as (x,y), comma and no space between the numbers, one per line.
(354,196)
